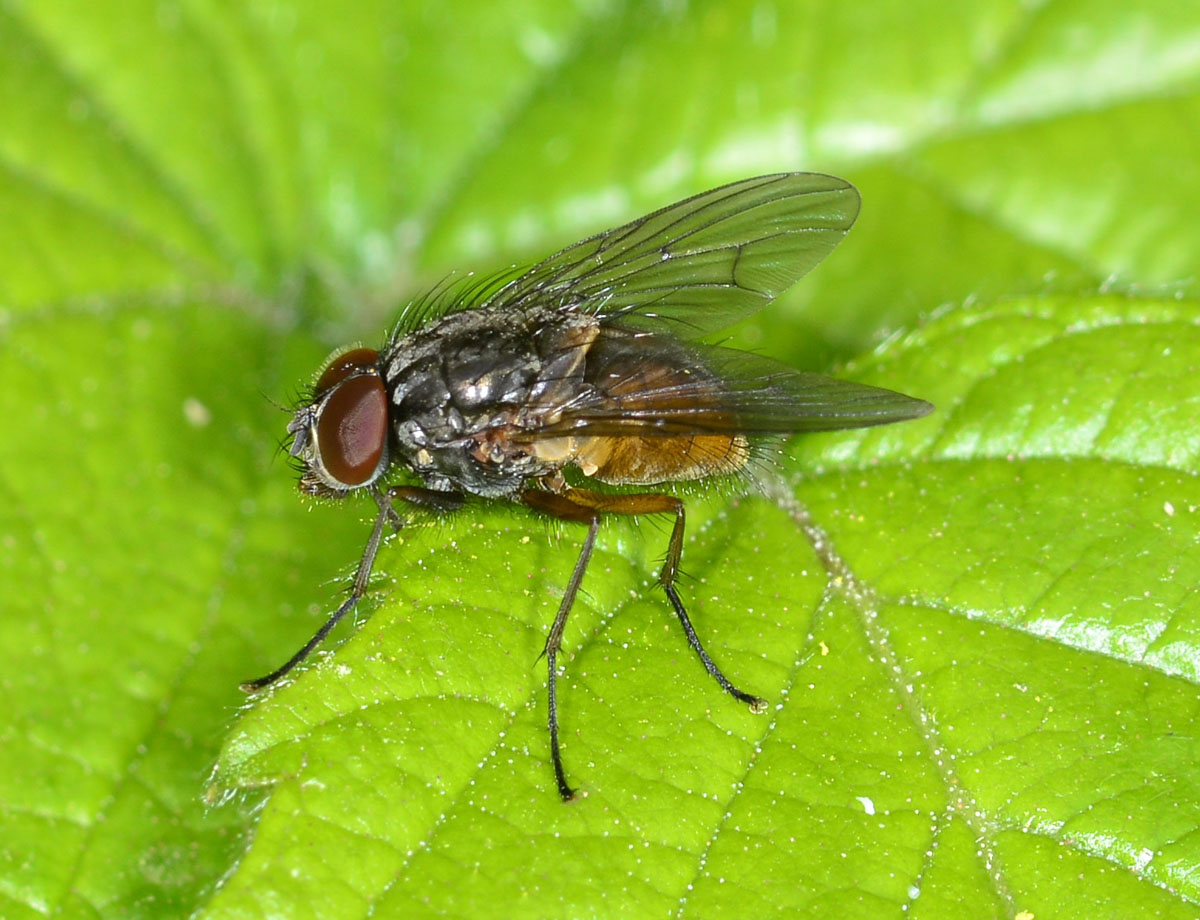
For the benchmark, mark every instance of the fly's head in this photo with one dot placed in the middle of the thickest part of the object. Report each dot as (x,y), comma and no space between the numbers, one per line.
(339,437)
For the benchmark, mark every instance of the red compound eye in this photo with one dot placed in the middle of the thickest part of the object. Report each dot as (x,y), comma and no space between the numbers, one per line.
(352,429)
(345,364)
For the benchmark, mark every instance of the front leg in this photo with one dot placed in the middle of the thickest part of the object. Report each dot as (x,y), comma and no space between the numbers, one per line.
(423,498)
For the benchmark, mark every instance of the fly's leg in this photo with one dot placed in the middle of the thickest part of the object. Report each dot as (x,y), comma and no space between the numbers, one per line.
(358,588)
(424,498)
(657,503)
(582,506)
(561,507)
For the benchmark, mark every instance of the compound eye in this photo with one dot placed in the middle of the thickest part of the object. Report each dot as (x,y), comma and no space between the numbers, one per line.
(352,430)
(345,364)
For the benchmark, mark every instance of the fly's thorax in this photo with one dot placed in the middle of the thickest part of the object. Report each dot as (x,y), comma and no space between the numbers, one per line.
(463,391)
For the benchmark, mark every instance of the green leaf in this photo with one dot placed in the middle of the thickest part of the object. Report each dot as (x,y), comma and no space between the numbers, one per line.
(978,631)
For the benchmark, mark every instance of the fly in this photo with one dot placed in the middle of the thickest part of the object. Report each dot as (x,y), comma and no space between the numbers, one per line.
(588,369)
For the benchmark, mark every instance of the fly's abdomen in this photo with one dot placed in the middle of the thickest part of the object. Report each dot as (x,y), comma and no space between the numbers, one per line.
(644,387)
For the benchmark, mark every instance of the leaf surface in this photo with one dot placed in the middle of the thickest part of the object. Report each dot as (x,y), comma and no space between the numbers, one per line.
(978,631)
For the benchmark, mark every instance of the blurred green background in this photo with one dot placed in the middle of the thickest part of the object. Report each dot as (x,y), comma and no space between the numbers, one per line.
(984,676)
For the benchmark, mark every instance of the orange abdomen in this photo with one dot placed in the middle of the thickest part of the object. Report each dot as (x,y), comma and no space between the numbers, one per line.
(642,460)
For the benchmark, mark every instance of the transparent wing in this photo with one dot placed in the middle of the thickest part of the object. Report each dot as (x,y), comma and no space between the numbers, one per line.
(701,263)
(650,386)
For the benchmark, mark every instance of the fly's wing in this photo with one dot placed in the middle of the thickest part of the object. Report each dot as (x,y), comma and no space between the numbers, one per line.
(654,386)
(700,264)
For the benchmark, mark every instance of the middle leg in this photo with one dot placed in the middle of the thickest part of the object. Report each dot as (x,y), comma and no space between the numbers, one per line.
(558,506)
(657,503)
